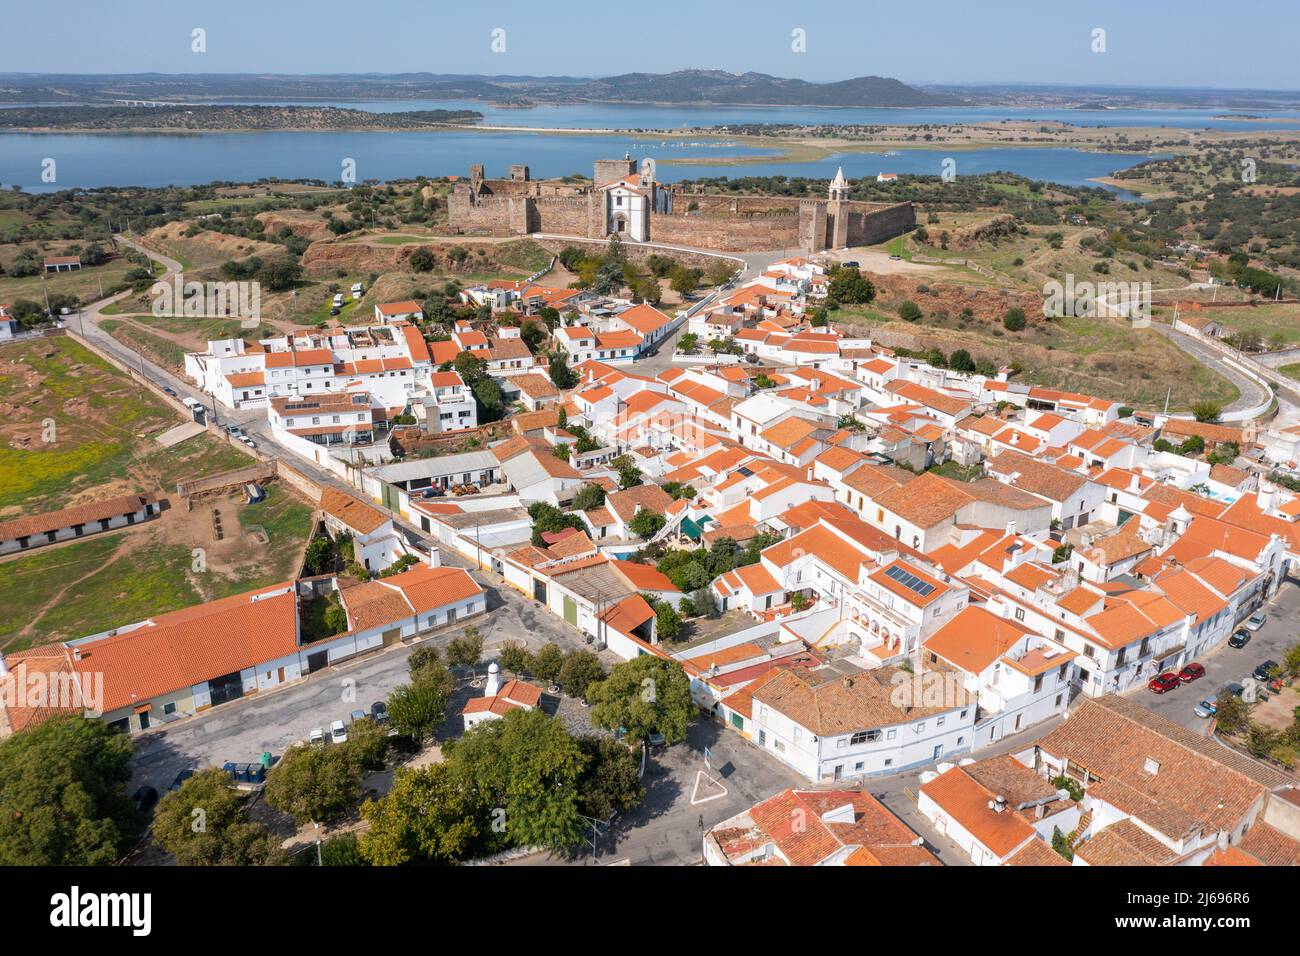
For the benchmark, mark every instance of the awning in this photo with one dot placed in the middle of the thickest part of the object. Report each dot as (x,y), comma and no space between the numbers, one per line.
(1172,652)
(142,708)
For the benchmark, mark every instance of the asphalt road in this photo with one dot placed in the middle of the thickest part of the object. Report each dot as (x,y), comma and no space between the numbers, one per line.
(1227,664)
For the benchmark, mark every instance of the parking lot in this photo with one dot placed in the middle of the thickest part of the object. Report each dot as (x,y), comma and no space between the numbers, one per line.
(1228,664)
(241,730)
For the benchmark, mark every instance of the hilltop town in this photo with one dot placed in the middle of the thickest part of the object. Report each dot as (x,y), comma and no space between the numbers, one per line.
(603,435)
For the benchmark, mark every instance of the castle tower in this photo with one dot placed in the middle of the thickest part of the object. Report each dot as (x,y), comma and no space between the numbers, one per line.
(839,186)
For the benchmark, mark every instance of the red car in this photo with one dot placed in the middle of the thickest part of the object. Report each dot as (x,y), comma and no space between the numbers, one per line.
(1163,682)
(1191,672)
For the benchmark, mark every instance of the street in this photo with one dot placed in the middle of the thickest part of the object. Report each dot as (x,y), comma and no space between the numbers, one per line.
(1280,632)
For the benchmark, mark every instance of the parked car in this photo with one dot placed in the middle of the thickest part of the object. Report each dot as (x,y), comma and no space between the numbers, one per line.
(850,264)
(356,715)
(317,735)
(234,431)
(751,358)
(1264,671)
(1206,708)
(167,389)
(338,732)
(145,798)
(248,441)
(1240,638)
(1163,682)
(896,257)
(334,310)
(1191,672)
(1256,621)
(379,711)
(180,779)
(1235,689)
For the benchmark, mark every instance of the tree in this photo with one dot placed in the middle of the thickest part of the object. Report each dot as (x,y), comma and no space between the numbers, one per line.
(464,651)
(579,671)
(589,498)
(314,784)
(1014,320)
(280,273)
(1207,411)
(611,780)
(62,789)
(418,709)
(562,376)
(528,765)
(1291,660)
(342,850)
(629,475)
(684,281)
(960,361)
(909,311)
(427,817)
(203,824)
(425,655)
(703,602)
(319,557)
(546,663)
(532,333)
(850,287)
(514,657)
(644,695)
(668,624)
(422,260)
(646,523)
(1232,715)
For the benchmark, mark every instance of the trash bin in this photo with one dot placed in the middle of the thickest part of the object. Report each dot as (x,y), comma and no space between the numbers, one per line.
(266,759)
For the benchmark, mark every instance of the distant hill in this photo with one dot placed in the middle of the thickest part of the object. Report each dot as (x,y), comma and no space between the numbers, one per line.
(755,89)
(698,87)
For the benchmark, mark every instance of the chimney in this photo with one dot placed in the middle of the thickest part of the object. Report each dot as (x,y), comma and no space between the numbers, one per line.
(1011,527)
(847,682)
(493,686)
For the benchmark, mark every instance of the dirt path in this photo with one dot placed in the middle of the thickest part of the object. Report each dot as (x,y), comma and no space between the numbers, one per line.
(28,629)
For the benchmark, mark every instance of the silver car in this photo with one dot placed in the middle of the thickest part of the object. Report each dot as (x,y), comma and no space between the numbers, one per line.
(1256,621)
(338,732)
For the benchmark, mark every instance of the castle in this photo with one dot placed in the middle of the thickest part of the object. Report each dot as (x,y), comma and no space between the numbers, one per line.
(629,202)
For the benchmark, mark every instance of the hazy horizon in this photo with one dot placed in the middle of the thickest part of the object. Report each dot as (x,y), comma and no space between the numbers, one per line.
(1191,45)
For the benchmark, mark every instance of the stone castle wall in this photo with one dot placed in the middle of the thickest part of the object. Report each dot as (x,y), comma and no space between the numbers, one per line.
(707,221)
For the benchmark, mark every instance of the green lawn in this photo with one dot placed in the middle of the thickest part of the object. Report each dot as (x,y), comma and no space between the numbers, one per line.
(1291,371)
(85,587)
(101,428)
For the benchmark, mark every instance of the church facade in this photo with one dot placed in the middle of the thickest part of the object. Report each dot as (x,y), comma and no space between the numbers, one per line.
(628,201)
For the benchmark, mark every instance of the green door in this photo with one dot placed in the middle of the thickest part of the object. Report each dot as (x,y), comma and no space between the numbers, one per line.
(570,611)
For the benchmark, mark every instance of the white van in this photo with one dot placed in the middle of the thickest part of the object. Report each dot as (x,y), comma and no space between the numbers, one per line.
(338,299)
(358,291)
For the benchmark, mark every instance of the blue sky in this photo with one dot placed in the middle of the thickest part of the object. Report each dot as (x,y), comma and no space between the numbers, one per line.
(1149,42)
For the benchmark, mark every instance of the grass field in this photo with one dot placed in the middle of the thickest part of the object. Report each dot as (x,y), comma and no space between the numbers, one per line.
(1277,325)
(1102,357)
(84,587)
(72,428)
(1291,371)
(88,284)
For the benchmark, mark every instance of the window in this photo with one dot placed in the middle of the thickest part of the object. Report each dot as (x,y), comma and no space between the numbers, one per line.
(865,736)
(891,735)
(889,761)
(1020,614)
(939,722)
(169,707)
(964,713)
(920,728)
(859,767)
